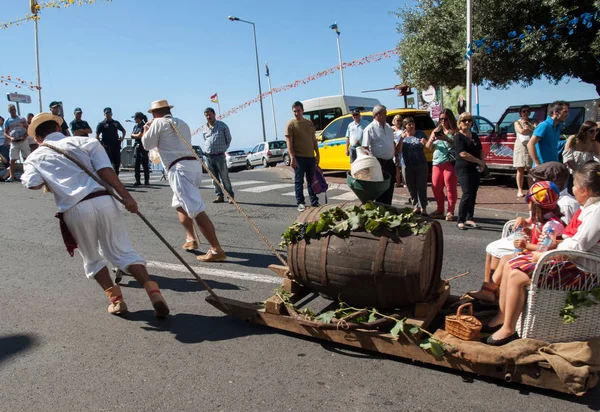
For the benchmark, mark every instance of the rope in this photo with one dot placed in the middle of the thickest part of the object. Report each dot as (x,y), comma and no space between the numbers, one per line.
(113,194)
(239,208)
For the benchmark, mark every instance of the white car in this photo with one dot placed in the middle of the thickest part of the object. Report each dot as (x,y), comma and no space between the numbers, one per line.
(236,160)
(266,154)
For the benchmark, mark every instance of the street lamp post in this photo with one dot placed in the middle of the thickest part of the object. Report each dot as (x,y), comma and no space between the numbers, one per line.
(469,60)
(33,5)
(262,113)
(334,27)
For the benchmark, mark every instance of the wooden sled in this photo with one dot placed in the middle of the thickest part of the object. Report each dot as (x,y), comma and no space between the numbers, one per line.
(274,314)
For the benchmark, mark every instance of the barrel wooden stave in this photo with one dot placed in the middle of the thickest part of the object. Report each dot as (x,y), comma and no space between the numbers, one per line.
(367,270)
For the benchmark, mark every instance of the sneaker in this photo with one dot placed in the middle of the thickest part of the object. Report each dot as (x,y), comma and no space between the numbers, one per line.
(190,245)
(316,205)
(219,199)
(210,256)
(301,207)
(9,180)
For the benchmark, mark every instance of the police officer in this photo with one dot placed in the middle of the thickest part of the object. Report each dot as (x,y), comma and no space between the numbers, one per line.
(109,129)
(141,154)
(56,110)
(79,126)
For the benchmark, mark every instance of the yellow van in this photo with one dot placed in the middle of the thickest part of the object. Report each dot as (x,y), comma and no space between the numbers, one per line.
(332,140)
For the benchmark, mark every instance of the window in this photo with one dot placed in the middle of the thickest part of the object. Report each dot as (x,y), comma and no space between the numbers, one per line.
(235,152)
(483,125)
(332,131)
(321,118)
(280,144)
(422,121)
(574,121)
(261,147)
(507,125)
(345,122)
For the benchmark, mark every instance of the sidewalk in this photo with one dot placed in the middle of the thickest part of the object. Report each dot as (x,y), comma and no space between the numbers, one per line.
(497,194)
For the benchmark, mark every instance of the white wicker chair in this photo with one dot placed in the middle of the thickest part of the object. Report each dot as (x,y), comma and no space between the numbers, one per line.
(509,228)
(541,316)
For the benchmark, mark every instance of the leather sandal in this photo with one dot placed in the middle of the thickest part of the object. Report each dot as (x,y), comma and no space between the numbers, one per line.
(488,290)
(213,257)
(190,245)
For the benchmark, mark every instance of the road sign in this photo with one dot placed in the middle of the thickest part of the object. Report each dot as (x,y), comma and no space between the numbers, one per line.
(18,98)
(429,94)
(411,101)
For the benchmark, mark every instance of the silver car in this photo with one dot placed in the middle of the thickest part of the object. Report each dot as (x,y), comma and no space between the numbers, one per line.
(266,154)
(236,160)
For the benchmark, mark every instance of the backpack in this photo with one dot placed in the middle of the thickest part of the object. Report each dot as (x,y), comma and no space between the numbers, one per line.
(319,184)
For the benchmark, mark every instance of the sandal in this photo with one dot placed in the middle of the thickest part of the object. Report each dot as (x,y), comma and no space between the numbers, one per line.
(500,342)
(461,226)
(488,290)
(472,224)
(416,211)
(450,217)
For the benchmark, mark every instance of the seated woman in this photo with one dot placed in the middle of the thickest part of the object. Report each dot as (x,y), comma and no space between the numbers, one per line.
(543,198)
(518,271)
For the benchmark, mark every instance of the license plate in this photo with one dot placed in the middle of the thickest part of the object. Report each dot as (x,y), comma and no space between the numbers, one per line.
(240,158)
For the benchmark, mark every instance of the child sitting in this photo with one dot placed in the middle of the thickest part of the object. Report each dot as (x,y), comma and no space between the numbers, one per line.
(518,271)
(543,198)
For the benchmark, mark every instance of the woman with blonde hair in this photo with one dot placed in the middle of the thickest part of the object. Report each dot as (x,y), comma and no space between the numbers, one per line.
(521,159)
(580,149)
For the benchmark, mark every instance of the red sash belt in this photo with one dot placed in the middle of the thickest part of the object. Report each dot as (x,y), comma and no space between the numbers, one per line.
(174,162)
(67,236)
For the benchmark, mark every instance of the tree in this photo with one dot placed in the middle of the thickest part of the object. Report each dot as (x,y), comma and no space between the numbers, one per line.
(536,39)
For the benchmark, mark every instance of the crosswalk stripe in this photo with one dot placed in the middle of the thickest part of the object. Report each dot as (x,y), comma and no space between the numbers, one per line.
(236,183)
(215,272)
(345,196)
(261,189)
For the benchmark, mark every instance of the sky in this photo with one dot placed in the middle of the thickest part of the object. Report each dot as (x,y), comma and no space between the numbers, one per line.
(125,54)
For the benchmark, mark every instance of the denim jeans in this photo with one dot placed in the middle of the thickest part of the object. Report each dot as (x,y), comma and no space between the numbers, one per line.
(352,154)
(305,166)
(218,167)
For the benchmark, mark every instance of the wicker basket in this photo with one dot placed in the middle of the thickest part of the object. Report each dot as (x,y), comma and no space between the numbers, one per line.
(541,316)
(465,327)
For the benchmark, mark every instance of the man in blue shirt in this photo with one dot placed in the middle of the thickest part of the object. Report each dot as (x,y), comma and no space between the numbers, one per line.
(217,139)
(543,145)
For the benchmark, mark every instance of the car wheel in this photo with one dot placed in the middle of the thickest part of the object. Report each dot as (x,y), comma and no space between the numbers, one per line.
(265,163)
(286,160)
(248,165)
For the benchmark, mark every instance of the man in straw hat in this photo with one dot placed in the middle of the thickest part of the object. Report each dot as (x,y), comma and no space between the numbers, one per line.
(90,219)
(167,133)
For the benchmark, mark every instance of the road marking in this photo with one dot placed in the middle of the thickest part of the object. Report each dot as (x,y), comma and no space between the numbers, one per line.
(235,183)
(212,272)
(345,196)
(261,189)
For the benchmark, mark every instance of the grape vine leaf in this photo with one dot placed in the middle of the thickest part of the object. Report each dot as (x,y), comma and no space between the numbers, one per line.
(397,328)
(326,317)
(372,316)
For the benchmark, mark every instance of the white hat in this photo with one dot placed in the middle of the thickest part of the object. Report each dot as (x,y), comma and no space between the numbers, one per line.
(159,104)
(40,118)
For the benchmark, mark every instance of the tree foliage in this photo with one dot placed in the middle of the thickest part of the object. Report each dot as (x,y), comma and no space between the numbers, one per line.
(433,42)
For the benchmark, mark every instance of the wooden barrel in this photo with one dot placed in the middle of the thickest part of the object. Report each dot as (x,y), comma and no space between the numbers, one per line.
(385,272)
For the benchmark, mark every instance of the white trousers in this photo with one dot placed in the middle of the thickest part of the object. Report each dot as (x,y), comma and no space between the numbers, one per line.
(186,191)
(99,229)
(18,149)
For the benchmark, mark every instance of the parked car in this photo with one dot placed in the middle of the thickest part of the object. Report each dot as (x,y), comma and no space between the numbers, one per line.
(483,127)
(332,140)
(236,160)
(286,157)
(266,154)
(498,146)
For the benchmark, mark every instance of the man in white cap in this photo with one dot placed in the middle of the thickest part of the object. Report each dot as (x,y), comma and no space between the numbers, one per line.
(166,133)
(90,219)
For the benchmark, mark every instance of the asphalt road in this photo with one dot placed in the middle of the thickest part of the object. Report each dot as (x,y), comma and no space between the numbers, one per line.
(61,351)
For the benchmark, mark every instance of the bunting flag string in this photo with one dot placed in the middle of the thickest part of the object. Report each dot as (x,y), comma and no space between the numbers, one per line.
(36,8)
(18,83)
(354,63)
(555,30)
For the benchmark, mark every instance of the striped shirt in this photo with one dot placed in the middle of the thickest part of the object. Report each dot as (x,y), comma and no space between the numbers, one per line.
(216,139)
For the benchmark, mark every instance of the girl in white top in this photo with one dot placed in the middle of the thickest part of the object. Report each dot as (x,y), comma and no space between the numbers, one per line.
(580,149)
(521,160)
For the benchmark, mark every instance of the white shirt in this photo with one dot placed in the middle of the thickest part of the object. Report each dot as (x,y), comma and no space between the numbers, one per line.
(380,140)
(354,132)
(67,181)
(163,137)
(588,234)
(568,206)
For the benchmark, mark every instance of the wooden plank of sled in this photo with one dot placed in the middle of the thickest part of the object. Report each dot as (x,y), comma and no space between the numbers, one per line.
(532,375)
(426,312)
(280,270)
(276,306)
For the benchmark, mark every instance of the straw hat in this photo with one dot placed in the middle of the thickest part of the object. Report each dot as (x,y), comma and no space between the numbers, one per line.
(159,104)
(40,118)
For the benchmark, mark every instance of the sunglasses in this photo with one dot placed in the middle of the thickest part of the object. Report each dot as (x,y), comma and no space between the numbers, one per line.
(466,121)
(355,114)
(443,119)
